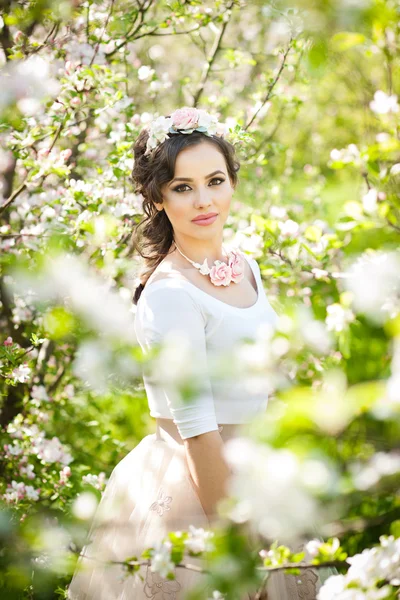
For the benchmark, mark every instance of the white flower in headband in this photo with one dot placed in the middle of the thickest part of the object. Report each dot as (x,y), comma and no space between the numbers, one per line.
(183,120)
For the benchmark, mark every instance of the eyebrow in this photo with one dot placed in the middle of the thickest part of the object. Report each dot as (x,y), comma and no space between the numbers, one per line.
(189,179)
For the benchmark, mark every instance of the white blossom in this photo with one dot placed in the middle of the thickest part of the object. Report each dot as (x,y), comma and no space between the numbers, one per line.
(338,317)
(289,228)
(383,103)
(199,540)
(145,72)
(21,373)
(31,493)
(97,481)
(161,562)
(266,485)
(370,200)
(350,154)
(39,392)
(381,299)
(367,570)
(84,506)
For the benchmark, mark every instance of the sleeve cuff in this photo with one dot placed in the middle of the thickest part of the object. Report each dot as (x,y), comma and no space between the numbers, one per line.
(194,426)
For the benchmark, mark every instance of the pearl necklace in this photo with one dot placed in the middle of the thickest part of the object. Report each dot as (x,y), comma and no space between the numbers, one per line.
(221,273)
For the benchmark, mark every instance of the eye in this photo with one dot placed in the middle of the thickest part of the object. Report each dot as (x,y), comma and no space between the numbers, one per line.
(178,188)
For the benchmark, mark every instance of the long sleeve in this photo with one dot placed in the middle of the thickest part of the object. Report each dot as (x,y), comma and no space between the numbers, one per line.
(171,311)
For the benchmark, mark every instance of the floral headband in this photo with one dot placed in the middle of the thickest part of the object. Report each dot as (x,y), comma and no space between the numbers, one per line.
(183,120)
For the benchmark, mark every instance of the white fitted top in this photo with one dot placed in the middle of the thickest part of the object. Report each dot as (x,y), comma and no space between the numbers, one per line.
(205,330)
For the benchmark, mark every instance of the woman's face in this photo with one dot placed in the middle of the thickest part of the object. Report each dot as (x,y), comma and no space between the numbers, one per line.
(201,185)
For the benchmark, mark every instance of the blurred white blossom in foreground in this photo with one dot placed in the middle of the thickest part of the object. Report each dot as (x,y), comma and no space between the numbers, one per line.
(67,279)
(366,571)
(27,82)
(268,488)
(374,280)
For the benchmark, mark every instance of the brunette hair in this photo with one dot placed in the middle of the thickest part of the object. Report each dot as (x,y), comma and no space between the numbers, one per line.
(149,174)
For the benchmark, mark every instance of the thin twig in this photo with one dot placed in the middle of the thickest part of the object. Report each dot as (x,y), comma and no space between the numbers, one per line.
(210,61)
(273,84)
(102,33)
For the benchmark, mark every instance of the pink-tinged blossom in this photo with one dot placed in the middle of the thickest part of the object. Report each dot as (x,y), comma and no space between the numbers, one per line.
(18,37)
(65,473)
(289,228)
(52,451)
(38,392)
(97,481)
(8,341)
(14,492)
(21,373)
(66,154)
(28,471)
(31,493)
(12,449)
(43,153)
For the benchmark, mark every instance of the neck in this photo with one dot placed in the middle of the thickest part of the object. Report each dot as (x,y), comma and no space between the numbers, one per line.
(199,252)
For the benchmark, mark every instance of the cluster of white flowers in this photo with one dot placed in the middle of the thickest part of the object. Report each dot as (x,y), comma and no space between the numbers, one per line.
(380,465)
(383,103)
(81,53)
(351,154)
(289,228)
(312,548)
(65,473)
(338,317)
(26,82)
(199,540)
(19,491)
(21,373)
(367,570)
(51,450)
(216,595)
(13,449)
(97,481)
(38,392)
(88,294)
(27,470)
(381,300)
(268,489)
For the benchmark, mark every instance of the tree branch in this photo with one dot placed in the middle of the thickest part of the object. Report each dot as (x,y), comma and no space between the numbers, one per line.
(214,51)
(273,84)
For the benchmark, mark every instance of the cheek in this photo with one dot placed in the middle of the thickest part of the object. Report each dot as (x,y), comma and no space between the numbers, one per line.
(177,210)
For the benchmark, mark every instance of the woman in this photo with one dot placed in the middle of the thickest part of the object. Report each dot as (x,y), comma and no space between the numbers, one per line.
(186,172)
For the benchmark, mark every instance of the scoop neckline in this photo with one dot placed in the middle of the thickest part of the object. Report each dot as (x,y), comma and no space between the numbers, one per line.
(225,304)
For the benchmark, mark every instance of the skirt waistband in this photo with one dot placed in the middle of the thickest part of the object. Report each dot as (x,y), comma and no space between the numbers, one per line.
(167,427)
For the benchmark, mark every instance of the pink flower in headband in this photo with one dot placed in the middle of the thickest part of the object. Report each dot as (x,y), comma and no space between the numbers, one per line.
(185,118)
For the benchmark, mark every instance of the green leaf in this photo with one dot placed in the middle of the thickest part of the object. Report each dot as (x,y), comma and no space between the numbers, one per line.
(344,40)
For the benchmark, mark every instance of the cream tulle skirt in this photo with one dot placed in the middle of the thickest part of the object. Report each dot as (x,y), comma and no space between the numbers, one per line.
(149,493)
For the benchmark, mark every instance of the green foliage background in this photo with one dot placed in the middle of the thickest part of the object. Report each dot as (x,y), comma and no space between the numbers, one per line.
(299,79)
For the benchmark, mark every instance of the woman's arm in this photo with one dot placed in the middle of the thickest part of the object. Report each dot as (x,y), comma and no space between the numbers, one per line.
(208,469)
(173,310)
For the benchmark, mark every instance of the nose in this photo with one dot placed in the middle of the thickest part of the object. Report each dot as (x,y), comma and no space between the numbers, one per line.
(203,197)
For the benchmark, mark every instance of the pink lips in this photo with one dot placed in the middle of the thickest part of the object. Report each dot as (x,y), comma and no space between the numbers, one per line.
(207,221)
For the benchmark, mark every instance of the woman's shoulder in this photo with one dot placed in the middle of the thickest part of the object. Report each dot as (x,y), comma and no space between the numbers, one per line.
(169,285)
